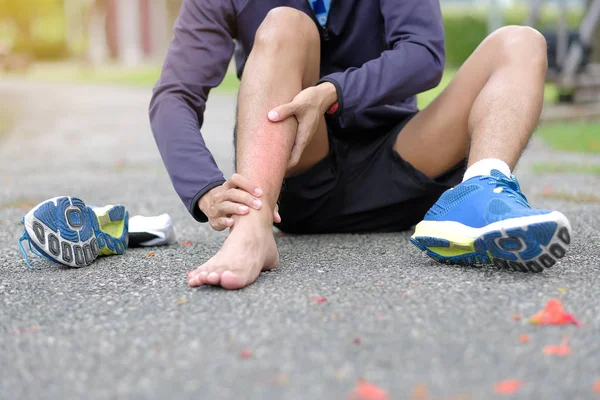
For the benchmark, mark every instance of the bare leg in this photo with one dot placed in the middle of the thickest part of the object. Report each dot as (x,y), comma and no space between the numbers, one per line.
(489,110)
(284,60)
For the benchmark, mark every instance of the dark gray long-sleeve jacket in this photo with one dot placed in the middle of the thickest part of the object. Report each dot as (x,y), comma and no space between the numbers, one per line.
(378,53)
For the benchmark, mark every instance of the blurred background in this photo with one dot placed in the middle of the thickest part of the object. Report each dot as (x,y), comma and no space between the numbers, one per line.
(44,37)
(123,42)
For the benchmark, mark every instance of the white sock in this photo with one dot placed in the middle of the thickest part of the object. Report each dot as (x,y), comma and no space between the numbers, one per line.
(485,167)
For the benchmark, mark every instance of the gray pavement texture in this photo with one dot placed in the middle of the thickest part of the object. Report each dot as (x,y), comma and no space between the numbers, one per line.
(129,328)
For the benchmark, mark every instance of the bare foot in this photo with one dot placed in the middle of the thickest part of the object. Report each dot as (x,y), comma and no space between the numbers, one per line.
(249,249)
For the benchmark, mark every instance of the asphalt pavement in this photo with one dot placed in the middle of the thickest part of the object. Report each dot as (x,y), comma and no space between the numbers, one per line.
(337,310)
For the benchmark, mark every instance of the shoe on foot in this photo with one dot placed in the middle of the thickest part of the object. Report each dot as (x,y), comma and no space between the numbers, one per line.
(66,231)
(487,220)
(151,231)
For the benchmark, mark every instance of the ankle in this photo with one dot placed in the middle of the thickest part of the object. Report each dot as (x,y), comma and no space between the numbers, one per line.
(263,217)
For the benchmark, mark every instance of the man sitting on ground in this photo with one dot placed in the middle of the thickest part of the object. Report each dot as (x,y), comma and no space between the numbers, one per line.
(329,138)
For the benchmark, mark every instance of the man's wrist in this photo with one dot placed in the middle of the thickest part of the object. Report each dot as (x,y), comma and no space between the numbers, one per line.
(204,202)
(328,95)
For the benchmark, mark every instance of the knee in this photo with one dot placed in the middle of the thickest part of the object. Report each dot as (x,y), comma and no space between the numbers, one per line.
(286,28)
(522,44)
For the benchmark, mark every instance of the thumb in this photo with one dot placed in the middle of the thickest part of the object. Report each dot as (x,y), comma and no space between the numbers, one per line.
(282,112)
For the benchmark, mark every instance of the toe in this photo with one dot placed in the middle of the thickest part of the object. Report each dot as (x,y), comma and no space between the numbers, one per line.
(213,278)
(231,281)
(194,274)
(193,281)
(202,277)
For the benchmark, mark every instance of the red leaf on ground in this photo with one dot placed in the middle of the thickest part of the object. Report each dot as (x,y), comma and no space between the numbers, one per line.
(420,392)
(29,330)
(367,391)
(596,387)
(557,350)
(562,349)
(245,353)
(318,299)
(151,254)
(356,340)
(186,243)
(553,314)
(516,317)
(523,338)
(509,386)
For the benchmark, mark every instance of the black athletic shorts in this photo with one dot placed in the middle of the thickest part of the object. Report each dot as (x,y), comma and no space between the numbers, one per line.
(362,185)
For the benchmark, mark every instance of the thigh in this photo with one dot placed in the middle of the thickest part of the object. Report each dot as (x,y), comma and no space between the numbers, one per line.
(437,138)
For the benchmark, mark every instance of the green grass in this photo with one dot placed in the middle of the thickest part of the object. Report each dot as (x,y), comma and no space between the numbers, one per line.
(109,75)
(572,136)
(574,198)
(587,169)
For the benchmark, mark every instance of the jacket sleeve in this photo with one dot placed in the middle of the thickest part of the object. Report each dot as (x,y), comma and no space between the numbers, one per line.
(196,61)
(414,34)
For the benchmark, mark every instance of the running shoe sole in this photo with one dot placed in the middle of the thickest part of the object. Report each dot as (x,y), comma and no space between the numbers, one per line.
(526,244)
(67,231)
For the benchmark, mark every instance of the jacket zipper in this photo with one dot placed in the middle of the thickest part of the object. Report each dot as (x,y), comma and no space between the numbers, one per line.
(324,30)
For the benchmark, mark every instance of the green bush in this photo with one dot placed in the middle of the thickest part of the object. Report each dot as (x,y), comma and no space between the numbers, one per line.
(37,27)
(464,31)
(40,49)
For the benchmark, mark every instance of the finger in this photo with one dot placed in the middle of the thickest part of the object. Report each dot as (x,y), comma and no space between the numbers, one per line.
(221,223)
(243,198)
(299,146)
(276,216)
(227,208)
(282,112)
(242,182)
(295,155)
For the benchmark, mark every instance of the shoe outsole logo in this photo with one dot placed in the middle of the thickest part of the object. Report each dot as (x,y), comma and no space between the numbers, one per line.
(527,249)
(74,218)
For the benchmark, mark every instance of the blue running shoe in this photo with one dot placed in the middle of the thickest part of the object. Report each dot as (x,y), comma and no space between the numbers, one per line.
(487,220)
(66,231)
